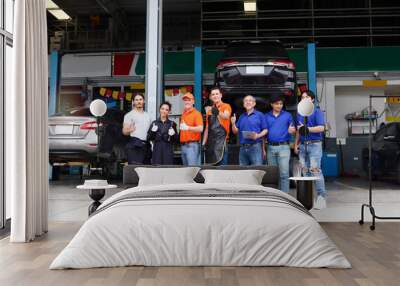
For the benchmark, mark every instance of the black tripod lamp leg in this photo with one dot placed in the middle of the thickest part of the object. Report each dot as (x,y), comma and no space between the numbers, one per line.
(372,210)
(361,221)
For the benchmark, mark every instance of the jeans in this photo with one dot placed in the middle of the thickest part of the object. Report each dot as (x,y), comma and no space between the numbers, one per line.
(311,165)
(250,155)
(191,154)
(280,156)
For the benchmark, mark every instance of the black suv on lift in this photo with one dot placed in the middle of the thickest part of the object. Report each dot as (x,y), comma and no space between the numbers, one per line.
(261,69)
(385,152)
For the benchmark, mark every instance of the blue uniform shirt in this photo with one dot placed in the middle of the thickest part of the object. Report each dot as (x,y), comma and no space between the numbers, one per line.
(278,126)
(254,121)
(316,119)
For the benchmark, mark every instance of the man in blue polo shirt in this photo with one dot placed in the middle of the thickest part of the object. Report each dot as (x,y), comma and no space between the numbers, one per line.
(311,162)
(280,126)
(251,128)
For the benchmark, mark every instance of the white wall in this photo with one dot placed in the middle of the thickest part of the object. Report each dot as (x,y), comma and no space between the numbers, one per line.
(349,99)
(86,65)
(341,95)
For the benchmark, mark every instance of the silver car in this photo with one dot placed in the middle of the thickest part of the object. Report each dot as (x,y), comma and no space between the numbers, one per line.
(72,136)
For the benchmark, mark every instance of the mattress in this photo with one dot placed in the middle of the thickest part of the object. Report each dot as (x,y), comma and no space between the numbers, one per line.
(201,225)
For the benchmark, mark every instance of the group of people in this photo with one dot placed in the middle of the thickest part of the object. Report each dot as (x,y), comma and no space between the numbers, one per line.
(262,137)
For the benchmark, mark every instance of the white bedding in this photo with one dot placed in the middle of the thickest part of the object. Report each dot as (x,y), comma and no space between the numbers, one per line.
(189,231)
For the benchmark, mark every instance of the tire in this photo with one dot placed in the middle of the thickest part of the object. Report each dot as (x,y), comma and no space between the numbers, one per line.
(55,174)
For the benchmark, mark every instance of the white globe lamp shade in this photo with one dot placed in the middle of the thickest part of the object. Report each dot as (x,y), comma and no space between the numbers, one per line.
(305,107)
(98,108)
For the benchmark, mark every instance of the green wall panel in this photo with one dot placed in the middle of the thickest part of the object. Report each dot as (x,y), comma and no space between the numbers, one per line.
(299,57)
(140,68)
(210,60)
(328,60)
(182,62)
(358,59)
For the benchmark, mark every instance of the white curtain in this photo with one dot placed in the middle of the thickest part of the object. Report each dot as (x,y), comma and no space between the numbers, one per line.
(26,120)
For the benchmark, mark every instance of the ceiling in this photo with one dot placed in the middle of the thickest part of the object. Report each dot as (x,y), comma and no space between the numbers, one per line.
(132,7)
(214,23)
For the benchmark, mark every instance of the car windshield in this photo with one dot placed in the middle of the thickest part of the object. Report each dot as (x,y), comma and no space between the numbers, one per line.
(248,49)
(238,76)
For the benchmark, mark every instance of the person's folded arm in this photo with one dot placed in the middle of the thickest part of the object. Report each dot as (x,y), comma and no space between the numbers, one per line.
(262,133)
(196,128)
(199,124)
(316,129)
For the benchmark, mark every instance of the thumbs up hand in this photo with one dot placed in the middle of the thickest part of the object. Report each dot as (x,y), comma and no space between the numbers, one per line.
(233,119)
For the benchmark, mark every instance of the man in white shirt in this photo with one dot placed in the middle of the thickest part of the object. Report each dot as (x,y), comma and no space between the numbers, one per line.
(136,124)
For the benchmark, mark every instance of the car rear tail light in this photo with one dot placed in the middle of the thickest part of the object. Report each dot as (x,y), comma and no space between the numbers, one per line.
(288,92)
(92,144)
(91,125)
(288,63)
(302,87)
(222,64)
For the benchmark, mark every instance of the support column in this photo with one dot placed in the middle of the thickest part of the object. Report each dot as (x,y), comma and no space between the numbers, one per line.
(54,64)
(198,76)
(154,84)
(311,68)
(54,67)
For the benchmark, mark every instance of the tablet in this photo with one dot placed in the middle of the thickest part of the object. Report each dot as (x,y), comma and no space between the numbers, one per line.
(248,134)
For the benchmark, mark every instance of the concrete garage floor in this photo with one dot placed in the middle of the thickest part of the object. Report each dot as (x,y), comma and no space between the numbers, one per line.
(345,196)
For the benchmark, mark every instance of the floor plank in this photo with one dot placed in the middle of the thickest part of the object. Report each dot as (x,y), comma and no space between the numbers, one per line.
(375,257)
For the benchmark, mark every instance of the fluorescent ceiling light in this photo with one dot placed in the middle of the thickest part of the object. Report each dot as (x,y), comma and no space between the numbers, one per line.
(250,6)
(56,11)
(60,14)
(51,5)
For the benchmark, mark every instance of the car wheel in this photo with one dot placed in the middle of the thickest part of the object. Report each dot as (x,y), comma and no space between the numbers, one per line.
(55,173)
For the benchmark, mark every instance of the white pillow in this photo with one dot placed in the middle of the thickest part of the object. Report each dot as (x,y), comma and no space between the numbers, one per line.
(248,177)
(166,176)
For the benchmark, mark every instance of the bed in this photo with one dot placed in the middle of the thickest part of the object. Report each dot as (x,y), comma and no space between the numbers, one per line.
(195,224)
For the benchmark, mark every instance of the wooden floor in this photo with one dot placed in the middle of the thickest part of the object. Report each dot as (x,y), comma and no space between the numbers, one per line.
(375,257)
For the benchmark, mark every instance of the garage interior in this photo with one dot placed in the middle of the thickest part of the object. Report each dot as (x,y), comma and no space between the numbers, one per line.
(345,51)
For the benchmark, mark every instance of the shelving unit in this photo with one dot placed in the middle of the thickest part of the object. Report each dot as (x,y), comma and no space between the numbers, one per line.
(361,129)
(370,201)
